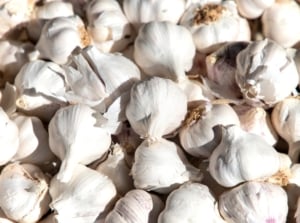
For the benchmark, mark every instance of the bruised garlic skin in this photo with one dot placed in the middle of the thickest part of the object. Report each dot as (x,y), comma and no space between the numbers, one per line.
(140,12)
(161,166)
(134,207)
(86,195)
(24,192)
(174,45)
(157,107)
(242,156)
(53,9)
(266,74)
(191,202)
(212,24)
(252,9)
(197,135)
(254,202)
(279,23)
(76,136)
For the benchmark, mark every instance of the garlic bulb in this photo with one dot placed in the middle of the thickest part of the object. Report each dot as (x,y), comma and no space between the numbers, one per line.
(254,202)
(140,12)
(3,218)
(252,9)
(76,136)
(173,44)
(279,22)
(197,135)
(60,36)
(265,73)
(191,202)
(134,207)
(116,168)
(9,138)
(108,27)
(157,107)
(87,194)
(161,166)
(24,192)
(212,24)
(53,9)
(242,156)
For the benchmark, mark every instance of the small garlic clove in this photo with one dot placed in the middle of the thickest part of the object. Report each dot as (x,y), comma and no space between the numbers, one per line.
(254,202)
(53,9)
(254,8)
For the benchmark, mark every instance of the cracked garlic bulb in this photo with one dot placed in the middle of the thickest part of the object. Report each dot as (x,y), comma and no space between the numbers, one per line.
(266,73)
(252,9)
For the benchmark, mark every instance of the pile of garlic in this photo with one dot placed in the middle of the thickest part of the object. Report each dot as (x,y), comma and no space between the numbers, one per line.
(149,111)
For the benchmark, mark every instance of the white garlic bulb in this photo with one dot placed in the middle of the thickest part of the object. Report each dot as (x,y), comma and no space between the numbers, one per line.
(140,12)
(24,192)
(87,194)
(3,218)
(60,36)
(53,9)
(134,207)
(157,107)
(108,27)
(254,202)
(161,166)
(191,202)
(76,136)
(242,156)
(279,22)
(266,73)
(174,45)
(197,135)
(213,23)
(252,9)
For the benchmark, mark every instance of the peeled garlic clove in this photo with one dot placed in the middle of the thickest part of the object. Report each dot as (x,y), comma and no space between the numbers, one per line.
(173,44)
(197,135)
(157,107)
(24,192)
(76,136)
(191,202)
(242,156)
(213,23)
(53,9)
(86,195)
(266,74)
(161,166)
(140,12)
(254,8)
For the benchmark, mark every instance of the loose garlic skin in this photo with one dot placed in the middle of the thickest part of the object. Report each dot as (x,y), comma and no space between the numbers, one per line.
(191,202)
(140,12)
(252,9)
(279,22)
(212,24)
(174,45)
(24,192)
(266,74)
(254,202)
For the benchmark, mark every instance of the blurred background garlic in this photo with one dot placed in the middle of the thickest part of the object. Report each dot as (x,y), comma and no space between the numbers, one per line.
(254,202)
(24,192)
(279,22)
(266,73)
(215,23)
(252,9)
(53,9)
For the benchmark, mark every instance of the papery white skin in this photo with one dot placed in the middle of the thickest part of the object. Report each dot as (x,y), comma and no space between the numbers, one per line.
(224,25)
(279,23)
(54,9)
(254,202)
(252,9)
(265,73)
(286,120)
(4,219)
(242,156)
(116,168)
(157,107)
(134,207)
(197,137)
(60,36)
(76,136)
(191,202)
(9,138)
(24,192)
(161,166)
(83,198)
(174,45)
(139,12)
(108,27)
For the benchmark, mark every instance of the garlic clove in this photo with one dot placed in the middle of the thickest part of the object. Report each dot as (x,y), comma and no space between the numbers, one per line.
(253,9)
